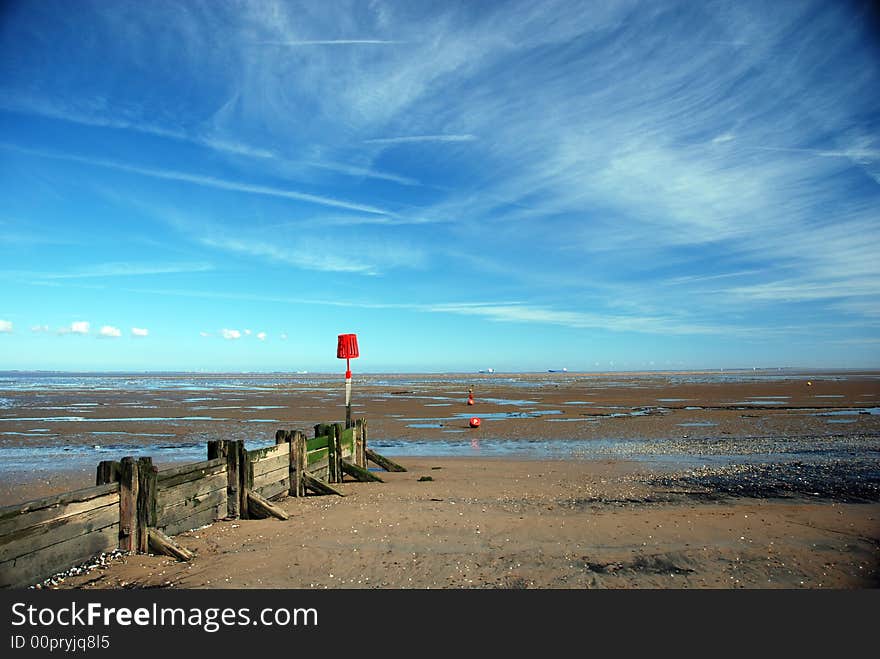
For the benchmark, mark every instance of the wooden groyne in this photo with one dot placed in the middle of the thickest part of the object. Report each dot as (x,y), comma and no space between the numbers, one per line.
(135,507)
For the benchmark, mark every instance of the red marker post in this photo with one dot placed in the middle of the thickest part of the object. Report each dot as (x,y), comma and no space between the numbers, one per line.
(347,349)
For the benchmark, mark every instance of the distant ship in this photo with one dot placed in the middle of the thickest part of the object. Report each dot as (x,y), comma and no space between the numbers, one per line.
(487,370)
(557,370)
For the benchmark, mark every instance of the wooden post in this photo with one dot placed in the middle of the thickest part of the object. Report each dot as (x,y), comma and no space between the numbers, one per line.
(360,456)
(359,473)
(108,472)
(245,479)
(162,544)
(337,449)
(296,439)
(332,455)
(221,448)
(385,463)
(146,502)
(261,508)
(298,454)
(319,486)
(128,496)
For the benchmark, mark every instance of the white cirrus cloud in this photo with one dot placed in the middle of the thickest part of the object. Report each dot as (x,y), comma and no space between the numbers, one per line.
(139,331)
(110,331)
(204,334)
(230,334)
(5,326)
(247,332)
(39,328)
(76,327)
(261,336)
(284,336)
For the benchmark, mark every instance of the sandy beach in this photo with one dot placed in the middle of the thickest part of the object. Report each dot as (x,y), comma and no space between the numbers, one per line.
(701,480)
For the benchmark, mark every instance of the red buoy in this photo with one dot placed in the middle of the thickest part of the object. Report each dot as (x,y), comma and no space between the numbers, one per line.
(475,422)
(470,397)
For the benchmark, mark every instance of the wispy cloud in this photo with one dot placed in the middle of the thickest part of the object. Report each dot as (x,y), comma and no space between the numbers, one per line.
(6,326)
(205,181)
(110,332)
(76,327)
(332,42)
(230,334)
(261,336)
(311,253)
(421,138)
(123,269)
(39,329)
(140,331)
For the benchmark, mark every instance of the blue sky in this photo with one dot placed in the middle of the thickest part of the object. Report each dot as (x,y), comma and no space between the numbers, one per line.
(465,185)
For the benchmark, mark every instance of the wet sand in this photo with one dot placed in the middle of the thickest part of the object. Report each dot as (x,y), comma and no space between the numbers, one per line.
(699,480)
(490,523)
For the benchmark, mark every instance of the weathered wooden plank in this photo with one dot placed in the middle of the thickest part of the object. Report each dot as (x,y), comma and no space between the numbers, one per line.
(273,490)
(146,502)
(320,486)
(107,472)
(382,461)
(182,494)
(362,444)
(346,440)
(313,457)
(76,496)
(32,518)
(298,463)
(335,467)
(267,452)
(261,508)
(190,472)
(161,544)
(317,443)
(40,536)
(229,452)
(34,567)
(271,477)
(193,517)
(321,472)
(196,521)
(271,464)
(128,494)
(361,474)
(244,479)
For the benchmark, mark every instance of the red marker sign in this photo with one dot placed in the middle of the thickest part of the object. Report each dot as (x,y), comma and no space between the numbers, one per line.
(347,349)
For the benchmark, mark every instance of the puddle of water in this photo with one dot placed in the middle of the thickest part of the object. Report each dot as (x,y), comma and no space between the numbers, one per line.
(841,421)
(760,402)
(28,433)
(65,419)
(828,396)
(672,400)
(491,416)
(424,425)
(506,401)
(132,434)
(697,424)
(872,411)
(438,404)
